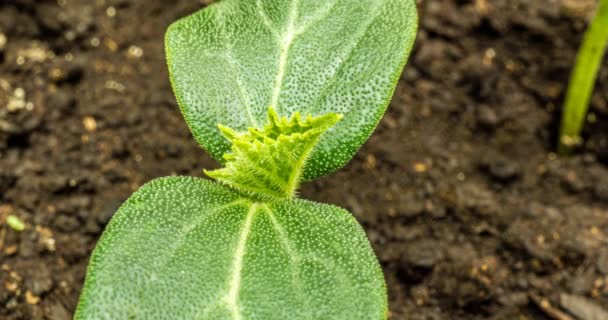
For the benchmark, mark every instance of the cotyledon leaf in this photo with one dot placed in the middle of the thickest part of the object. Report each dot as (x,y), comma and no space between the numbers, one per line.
(188,248)
(231,61)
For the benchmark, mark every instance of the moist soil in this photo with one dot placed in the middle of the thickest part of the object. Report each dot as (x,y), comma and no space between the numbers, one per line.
(470,212)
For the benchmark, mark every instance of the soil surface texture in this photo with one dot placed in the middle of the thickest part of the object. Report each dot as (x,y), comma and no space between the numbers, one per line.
(471,213)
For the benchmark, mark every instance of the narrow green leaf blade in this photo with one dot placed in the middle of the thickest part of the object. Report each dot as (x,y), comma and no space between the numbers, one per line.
(186,248)
(231,61)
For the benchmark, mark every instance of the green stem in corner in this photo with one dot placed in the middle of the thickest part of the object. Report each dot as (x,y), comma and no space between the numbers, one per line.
(583,79)
(268,163)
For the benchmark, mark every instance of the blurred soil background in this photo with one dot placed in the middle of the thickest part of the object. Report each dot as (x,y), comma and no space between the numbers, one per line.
(471,213)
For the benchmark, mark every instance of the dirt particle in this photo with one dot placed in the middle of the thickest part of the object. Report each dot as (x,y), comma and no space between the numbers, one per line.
(501,169)
(66,223)
(420,167)
(57,311)
(11,286)
(578,8)
(10,250)
(111,45)
(370,161)
(488,57)
(572,181)
(582,307)
(17,101)
(514,299)
(135,52)
(487,117)
(115,86)
(602,262)
(111,11)
(39,281)
(46,238)
(3,42)
(67,72)
(31,298)
(582,282)
(424,254)
(55,183)
(89,123)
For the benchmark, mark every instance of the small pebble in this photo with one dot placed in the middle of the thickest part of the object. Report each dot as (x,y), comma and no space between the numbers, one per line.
(504,170)
(582,307)
(31,298)
(487,117)
(424,254)
(66,223)
(518,299)
(582,283)
(10,250)
(501,169)
(89,123)
(571,181)
(111,11)
(135,52)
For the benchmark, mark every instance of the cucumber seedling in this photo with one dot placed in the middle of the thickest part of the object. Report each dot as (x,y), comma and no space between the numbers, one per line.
(583,78)
(279,91)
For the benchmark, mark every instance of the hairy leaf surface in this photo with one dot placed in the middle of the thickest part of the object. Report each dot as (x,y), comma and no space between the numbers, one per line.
(231,61)
(188,248)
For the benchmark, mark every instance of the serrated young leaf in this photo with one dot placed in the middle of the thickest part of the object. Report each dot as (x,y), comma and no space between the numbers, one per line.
(232,60)
(267,163)
(187,248)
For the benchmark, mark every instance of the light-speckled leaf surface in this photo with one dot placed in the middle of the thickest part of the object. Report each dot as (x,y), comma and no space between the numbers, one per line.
(188,248)
(234,59)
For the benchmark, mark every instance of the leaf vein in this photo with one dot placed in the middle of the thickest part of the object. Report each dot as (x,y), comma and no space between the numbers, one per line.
(345,58)
(232,297)
(294,257)
(344,281)
(229,56)
(200,220)
(323,13)
(266,20)
(285,46)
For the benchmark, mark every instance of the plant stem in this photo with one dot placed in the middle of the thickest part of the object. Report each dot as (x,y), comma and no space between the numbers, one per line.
(583,79)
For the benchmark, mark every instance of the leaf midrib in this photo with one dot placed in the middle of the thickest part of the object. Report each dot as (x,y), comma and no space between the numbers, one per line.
(232,297)
(187,231)
(286,41)
(285,44)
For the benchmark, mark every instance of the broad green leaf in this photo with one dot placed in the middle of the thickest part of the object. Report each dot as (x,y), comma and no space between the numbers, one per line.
(268,163)
(187,248)
(231,61)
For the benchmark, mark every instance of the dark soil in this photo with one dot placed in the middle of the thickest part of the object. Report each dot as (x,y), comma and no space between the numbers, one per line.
(469,210)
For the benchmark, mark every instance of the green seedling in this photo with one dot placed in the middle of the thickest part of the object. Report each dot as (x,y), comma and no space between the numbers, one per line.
(15,223)
(583,78)
(280,92)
